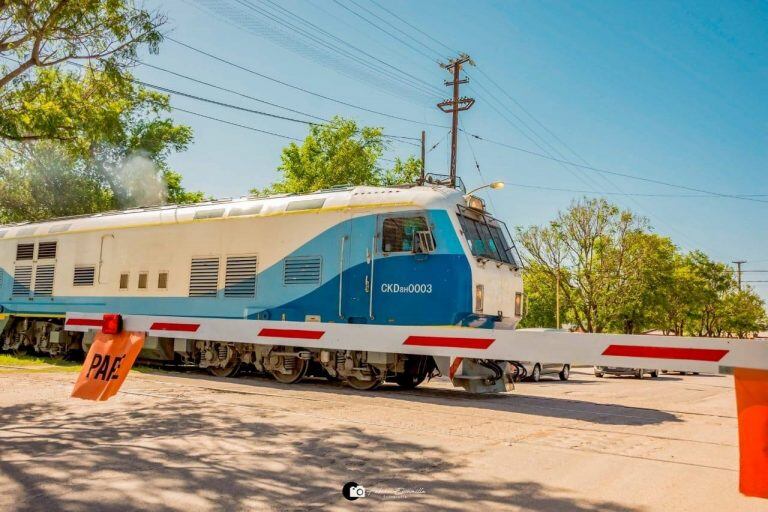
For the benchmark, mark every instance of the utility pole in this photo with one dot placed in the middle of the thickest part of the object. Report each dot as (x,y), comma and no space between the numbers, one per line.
(738,264)
(423,155)
(557,299)
(456,105)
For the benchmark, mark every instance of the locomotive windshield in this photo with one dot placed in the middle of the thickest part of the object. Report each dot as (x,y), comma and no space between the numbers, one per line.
(487,237)
(398,233)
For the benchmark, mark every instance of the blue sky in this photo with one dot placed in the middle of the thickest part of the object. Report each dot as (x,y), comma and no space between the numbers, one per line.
(671,91)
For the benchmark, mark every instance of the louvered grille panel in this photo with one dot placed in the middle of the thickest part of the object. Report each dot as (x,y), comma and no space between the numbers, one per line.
(302,270)
(25,251)
(84,276)
(46,250)
(204,277)
(44,280)
(22,281)
(240,280)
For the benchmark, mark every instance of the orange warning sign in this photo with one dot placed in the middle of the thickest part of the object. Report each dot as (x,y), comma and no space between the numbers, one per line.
(108,362)
(752,405)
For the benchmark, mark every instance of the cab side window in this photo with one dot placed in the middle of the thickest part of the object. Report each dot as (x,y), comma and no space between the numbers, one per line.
(398,233)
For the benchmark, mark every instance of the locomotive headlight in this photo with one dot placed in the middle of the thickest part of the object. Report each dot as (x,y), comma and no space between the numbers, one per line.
(479,293)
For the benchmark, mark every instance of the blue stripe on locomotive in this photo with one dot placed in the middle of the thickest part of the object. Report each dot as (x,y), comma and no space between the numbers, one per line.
(441,294)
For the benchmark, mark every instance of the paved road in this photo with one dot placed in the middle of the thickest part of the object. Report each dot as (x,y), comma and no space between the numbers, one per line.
(192,443)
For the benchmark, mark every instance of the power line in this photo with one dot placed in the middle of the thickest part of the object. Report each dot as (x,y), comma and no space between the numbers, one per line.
(403,139)
(415,28)
(298,40)
(251,128)
(616,173)
(246,127)
(382,29)
(398,138)
(632,194)
(301,89)
(559,154)
(477,166)
(444,137)
(231,91)
(750,197)
(221,103)
(424,86)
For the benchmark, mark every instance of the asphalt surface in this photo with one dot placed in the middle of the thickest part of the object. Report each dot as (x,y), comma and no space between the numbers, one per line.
(189,442)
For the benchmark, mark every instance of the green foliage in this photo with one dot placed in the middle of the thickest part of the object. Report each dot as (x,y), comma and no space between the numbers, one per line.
(335,154)
(742,314)
(176,193)
(539,288)
(85,139)
(617,276)
(404,171)
(46,33)
(114,155)
(47,182)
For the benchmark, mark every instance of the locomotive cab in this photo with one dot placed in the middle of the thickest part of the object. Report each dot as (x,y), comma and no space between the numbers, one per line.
(496,279)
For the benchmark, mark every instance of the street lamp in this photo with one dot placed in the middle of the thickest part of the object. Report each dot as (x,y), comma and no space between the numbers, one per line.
(496,185)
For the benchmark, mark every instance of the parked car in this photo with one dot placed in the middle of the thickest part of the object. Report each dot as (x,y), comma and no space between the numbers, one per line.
(534,371)
(638,373)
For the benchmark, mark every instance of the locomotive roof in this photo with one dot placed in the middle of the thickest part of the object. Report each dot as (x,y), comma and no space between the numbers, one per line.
(362,197)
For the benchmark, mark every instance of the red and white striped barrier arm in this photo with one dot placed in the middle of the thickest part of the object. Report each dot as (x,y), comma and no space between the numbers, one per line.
(708,355)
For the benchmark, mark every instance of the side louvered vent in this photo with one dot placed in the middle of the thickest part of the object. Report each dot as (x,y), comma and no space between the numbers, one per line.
(204,277)
(44,280)
(303,270)
(46,250)
(84,276)
(240,280)
(25,252)
(22,281)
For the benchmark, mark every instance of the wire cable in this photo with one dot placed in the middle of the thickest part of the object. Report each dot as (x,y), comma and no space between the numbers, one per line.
(415,27)
(301,89)
(617,173)
(236,124)
(390,34)
(423,86)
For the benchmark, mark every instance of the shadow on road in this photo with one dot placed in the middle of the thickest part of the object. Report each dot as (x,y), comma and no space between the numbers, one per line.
(172,455)
(515,402)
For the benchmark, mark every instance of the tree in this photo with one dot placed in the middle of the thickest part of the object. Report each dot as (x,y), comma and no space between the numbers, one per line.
(743,314)
(88,138)
(338,153)
(47,182)
(177,194)
(404,171)
(539,286)
(648,271)
(47,33)
(590,246)
(115,158)
(617,276)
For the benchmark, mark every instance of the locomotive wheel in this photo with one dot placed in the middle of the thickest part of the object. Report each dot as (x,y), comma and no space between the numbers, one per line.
(363,385)
(299,371)
(231,370)
(414,373)
(366,385)
(21,350)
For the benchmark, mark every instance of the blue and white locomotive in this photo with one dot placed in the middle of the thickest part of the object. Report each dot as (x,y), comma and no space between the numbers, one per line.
(412,255)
